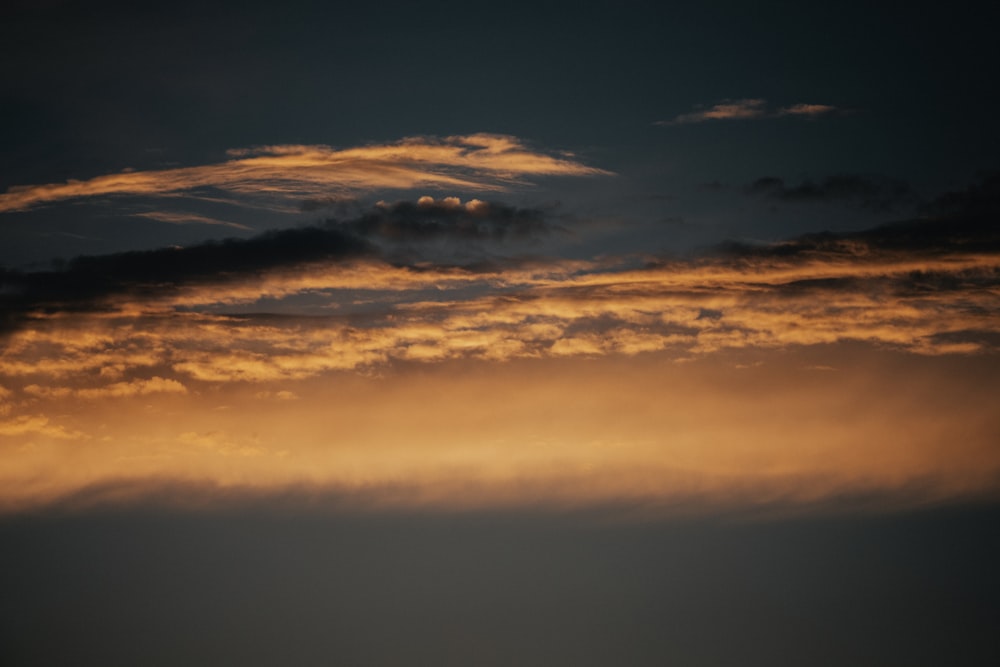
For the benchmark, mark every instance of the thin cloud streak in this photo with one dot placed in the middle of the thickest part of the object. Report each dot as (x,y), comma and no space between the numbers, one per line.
(748,109)
(481,162)
(174,218)
(806,110)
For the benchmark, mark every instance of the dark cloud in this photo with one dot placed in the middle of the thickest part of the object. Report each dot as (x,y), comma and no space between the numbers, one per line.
(430,219)
(878,194)
(920,237)
(81,283)
(962,221)
(340,205)
(980,199)
(969,227)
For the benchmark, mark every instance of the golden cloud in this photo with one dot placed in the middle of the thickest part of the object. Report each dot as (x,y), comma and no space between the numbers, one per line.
(483,162)
(153,385)
(558,310)
(188,219)
(554,432)
(793,375)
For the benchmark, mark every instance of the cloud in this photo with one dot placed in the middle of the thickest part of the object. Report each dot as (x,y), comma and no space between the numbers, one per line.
(747,109)
(281,395)
(874,193)
(551,433)
(86,282)
(925,286)
(726,110)
(342,205)
(551,382)
(187,219)
(979,200)
(36,425)
(430,219)
(806,110)
(274,263)
(222,443)
(482,162)
(154,385)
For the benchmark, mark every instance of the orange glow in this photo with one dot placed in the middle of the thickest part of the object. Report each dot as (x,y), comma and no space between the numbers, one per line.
(639,429)
(748,380)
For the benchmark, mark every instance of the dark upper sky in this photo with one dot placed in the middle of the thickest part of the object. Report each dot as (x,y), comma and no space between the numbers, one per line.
(95,88)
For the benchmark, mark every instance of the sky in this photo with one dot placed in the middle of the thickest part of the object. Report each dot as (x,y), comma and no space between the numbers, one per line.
(536,334)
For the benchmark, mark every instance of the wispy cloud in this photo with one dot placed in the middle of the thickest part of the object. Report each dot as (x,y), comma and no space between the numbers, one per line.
(744,109)
(481,162)
(176,218)
(806,110)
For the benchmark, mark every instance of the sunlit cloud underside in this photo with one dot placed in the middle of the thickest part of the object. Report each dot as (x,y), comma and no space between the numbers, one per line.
(419,354)
(640,429)
(804,373)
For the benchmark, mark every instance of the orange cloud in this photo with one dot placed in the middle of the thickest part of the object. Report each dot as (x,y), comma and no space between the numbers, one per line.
(483,162)
(797,373)
(153,385)
(545,432)
(188,219)
(35,425)
(807,110)
(570,309)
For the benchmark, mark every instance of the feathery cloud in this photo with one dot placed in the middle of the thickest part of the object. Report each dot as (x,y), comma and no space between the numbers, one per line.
(175,218)
(482,162)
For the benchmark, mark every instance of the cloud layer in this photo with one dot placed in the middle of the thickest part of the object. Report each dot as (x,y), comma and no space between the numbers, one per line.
(926,286)
(324,358)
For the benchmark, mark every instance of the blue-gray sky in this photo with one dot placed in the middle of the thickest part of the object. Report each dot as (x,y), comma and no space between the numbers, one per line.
(95,89)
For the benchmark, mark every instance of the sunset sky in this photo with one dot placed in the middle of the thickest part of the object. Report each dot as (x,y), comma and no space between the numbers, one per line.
(533,334)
